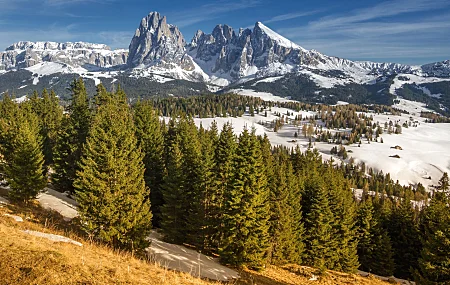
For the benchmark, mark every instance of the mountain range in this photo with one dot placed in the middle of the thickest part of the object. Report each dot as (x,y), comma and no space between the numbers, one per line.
(223,59)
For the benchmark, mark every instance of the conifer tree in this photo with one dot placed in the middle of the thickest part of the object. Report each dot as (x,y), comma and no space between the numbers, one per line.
(405,243)
(319,242)
(110,186)
(24,170)
(286,226)
(374,246)
(223,170)
(434,261)
(71,137)
(151,140)
(173,211)
(245,238)
(344,209)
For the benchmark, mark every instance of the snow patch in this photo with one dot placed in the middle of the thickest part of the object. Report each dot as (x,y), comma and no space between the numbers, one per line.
(14,217)
(52,237)
(180,258)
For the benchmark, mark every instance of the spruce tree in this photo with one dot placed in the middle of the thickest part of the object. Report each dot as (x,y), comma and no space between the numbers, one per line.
(151,140)
(374,246)
(286,226)
(173,212)
(344,209)
(110,186)
(245,237)
(71,138)
(319,242)
(223,170)
(405,243)
(434,261)
(24,170)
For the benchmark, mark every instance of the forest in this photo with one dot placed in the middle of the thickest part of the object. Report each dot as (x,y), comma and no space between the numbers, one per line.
(236,197)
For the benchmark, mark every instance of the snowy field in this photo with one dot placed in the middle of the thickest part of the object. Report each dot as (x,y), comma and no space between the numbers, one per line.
(425,154)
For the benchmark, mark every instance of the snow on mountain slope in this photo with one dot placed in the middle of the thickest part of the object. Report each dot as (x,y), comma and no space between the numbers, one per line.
(282,41)
(404,78)
(49,68)
(93,56)
(221,58)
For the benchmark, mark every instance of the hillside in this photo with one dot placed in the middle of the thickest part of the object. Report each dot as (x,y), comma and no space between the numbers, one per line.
(25,259)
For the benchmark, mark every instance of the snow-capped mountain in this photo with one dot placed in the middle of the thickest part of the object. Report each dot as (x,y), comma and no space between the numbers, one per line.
(159,47)
(26,54)
(223,57)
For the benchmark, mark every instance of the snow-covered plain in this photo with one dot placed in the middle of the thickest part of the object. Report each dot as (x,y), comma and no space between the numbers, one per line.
(424,158)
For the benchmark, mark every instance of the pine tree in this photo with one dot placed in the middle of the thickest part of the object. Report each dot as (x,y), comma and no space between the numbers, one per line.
(110,186)
(24,170)
(374,246)
(70,138)
(286,226)
(173,213)
(344,209)
(434,261)
(224,154)
(245,233)
(405,243)
(151,140)
(319,242)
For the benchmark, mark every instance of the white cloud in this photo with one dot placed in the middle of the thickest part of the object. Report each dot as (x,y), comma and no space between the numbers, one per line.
(380,32)
(209,11)
(290,16)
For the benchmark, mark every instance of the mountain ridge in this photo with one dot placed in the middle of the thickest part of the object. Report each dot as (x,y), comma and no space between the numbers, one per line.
(222,58)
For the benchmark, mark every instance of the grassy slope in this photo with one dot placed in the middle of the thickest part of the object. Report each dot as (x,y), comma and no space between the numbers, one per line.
(26,259)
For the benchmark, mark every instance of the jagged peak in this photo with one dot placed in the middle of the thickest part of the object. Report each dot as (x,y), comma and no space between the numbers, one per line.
(24,45)
(282,41)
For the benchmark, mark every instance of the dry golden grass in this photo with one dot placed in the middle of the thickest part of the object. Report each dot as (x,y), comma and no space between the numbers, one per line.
(295,274)
(25,259)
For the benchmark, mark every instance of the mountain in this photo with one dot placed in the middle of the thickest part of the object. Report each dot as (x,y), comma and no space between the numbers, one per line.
(160,48)
(93,56)
(221,60)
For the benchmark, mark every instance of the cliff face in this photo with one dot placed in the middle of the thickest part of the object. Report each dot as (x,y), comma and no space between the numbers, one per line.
(26,54)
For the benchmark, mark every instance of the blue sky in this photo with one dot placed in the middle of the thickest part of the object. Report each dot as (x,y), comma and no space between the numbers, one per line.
(404,31)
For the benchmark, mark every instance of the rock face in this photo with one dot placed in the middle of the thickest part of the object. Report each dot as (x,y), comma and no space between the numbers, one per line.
(88,55)
(437,69)
(157,43)
(263,52)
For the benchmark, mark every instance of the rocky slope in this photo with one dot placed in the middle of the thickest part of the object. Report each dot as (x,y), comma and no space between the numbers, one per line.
(224,57)
(26,54)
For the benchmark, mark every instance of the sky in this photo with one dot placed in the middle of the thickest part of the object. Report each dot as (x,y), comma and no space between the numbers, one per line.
(403,31)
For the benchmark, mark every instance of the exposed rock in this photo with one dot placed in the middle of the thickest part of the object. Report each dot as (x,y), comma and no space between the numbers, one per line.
(91,56)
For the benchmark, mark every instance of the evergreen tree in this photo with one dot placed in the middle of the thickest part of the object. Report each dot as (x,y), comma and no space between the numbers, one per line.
(374,246)
(344,209)
(286,226)
(223,170)
(24,170)
(319,242)
(110,185)
(246,212)
(434,261)
(405,243)
(151,140)
(70,138)
(173,212)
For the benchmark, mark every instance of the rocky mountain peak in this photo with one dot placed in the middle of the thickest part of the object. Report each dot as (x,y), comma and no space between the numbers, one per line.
(156,42)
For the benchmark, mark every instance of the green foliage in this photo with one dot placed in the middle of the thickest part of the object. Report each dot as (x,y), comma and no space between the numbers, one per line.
(434,261)
(110,186)
(149,133)
(24,171)
(71,138)
(246,211)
